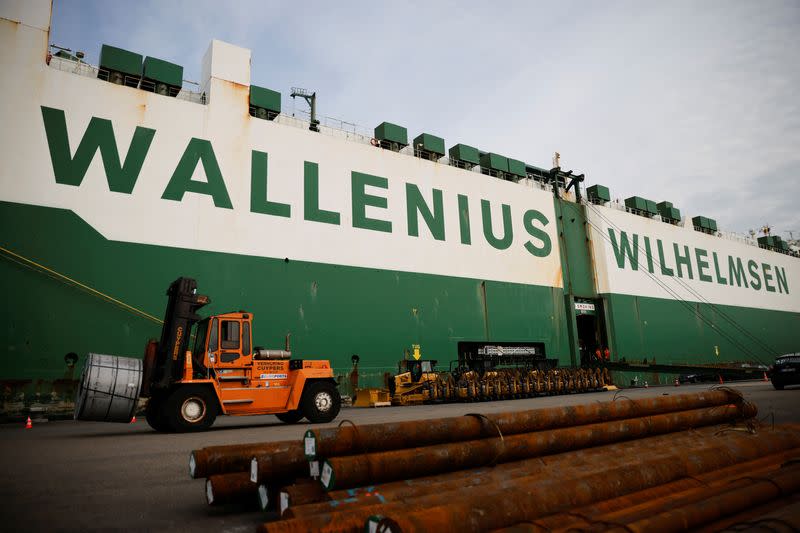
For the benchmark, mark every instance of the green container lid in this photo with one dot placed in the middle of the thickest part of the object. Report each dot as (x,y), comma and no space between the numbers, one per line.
(463,152)
(429,143)
(265,98)
(163,71)
(663,205)
(113,58)
(600,192)
(517,168)
(387,131)
(495,162)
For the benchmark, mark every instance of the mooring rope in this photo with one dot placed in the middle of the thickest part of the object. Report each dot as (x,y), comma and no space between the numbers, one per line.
(61,277)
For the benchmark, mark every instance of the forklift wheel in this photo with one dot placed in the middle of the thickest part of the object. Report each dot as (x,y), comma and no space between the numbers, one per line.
(190,409)
(290,417)
(320,402)
(154,414)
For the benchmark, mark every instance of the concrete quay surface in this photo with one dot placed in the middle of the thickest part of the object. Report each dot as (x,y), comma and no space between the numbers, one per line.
(92,476)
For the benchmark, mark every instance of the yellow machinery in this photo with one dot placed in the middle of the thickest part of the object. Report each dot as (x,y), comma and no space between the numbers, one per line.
(370,397)
(417,381)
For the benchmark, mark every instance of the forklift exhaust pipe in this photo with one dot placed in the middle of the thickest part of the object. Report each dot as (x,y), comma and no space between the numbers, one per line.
(109,388)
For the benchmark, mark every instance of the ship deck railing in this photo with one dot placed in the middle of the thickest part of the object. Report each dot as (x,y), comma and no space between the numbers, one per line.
(728,235)
(91,71)
(332,127)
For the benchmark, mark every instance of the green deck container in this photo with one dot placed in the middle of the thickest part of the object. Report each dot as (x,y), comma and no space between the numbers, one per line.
(389,132)
(463,152)
(705,223)
(117,59)
(265,98)
(163,71)
(429,143)
(517,168)
(636,202)
(599,192)
(670,213)
(651,207)
(494,162)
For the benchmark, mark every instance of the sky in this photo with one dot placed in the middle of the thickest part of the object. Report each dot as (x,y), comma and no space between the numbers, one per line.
(692,102)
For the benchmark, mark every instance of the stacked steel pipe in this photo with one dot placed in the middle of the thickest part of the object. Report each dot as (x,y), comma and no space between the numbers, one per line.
(668,463)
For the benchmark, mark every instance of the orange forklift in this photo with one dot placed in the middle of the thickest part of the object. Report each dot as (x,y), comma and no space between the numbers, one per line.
(221,374)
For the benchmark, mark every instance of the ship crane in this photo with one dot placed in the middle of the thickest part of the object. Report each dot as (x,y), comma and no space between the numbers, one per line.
(568,178)
(311,100)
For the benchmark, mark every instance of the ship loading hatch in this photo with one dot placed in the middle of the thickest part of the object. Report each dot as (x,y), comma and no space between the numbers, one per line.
(591,331)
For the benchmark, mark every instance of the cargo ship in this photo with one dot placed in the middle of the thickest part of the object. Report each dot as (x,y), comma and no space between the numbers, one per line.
(118,178)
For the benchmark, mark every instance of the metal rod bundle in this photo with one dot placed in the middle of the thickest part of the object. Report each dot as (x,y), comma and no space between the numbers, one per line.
(357,470)
(348,440)
(640,504)
(662,463)
(504,503)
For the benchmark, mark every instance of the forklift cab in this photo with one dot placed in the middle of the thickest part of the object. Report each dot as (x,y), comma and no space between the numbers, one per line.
(222,343)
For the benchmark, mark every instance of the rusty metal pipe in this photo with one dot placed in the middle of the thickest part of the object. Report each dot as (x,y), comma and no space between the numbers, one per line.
(347,440)
(354,471)
(777,516)
(525,499)
(279,466)
(643,502)
(234,458)
(585,456)
(685,491)
(303,492)
(567,464)
(222,489)
(723,479)
(501,504)
(717,504)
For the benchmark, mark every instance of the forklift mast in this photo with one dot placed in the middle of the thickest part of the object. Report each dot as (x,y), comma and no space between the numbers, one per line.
(182,305)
